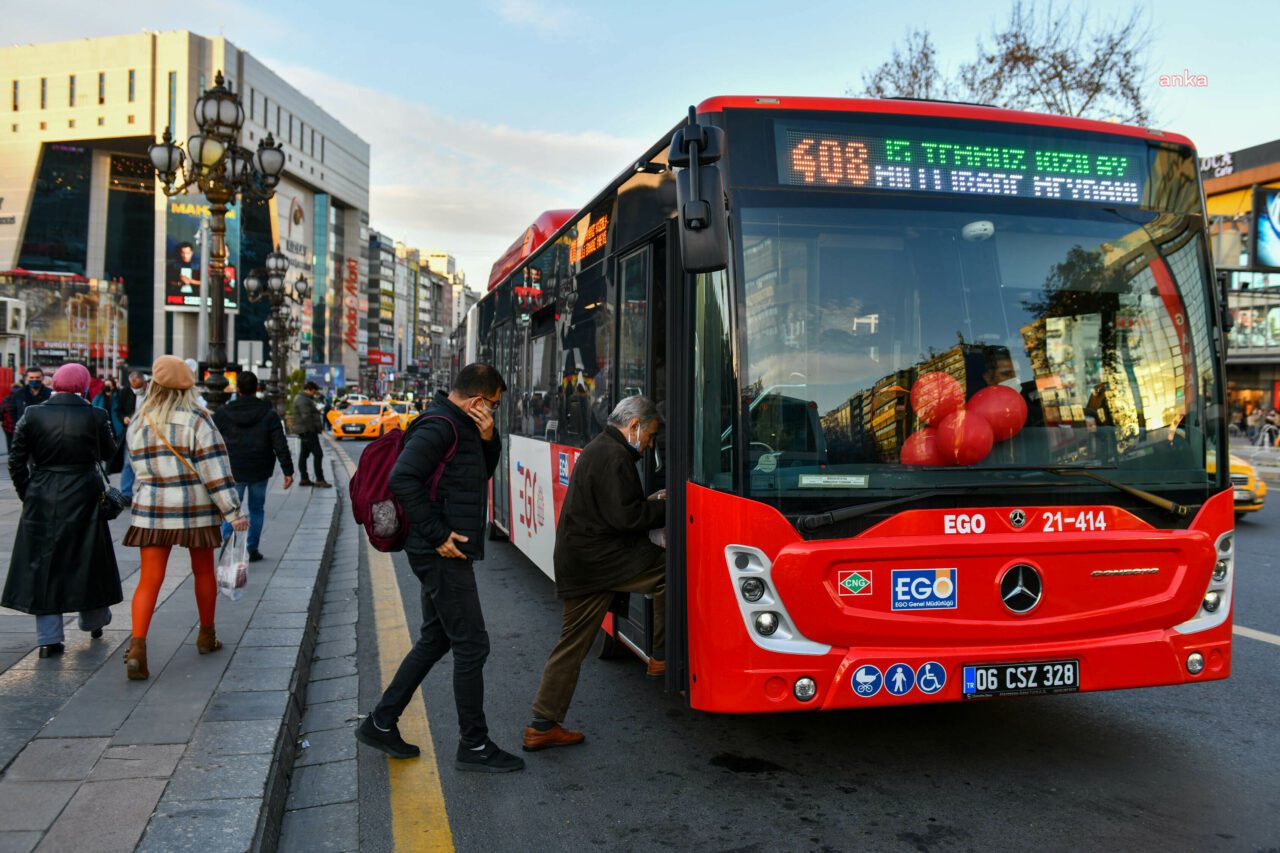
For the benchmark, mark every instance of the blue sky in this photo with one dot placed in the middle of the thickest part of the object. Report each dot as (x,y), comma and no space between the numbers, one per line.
(482,114)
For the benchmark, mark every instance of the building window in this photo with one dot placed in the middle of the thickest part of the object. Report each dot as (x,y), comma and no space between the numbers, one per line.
(71,122)
(133,81)
(253,103)
(313,142)
(291,129)
(277,119)
(44,92)
(173,99)
(202,83)
(14,128)
(101,121)
(71,91)
(15,96)
(322,153)
(130,119)
(102,88)
(44,125)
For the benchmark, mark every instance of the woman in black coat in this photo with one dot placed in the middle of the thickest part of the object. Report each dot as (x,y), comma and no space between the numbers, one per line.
(62,560)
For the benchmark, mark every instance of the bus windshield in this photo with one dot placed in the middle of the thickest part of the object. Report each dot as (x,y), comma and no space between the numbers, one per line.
(872,332)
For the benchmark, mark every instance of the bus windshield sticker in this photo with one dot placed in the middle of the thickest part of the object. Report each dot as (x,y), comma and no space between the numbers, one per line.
(833,481)
(964,162)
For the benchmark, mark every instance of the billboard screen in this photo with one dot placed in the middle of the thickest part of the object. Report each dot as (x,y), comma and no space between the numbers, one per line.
(1266,229)
(182,254)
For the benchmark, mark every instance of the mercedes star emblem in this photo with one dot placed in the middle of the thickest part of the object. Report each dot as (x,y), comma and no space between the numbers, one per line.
(1017,518)
(1021,588)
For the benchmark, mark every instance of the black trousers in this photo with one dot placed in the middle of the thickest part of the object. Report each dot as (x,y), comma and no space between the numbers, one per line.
(451,619)
(310,442)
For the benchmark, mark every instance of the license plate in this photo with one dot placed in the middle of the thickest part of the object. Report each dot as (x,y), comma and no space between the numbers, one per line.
(1021,679)
(352,428)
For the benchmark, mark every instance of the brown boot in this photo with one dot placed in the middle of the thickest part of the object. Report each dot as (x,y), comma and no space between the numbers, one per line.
(135,661)
(207,641)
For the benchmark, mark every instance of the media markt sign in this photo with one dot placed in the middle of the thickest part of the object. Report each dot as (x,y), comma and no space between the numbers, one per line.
(855,583)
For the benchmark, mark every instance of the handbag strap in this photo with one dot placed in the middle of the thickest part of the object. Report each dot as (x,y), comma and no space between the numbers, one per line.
(190,467)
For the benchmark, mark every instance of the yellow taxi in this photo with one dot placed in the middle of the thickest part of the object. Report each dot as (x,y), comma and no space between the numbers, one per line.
(1250,490)
(365,420)
(342,405)
(405,411)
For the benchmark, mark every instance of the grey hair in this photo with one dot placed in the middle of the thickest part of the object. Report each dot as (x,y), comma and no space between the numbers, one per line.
(135,374)
(635,407)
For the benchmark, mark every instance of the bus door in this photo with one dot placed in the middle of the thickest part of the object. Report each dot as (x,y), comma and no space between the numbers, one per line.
(642,360)
(505,355)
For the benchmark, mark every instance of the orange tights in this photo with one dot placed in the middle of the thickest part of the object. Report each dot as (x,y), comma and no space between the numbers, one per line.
(155,559)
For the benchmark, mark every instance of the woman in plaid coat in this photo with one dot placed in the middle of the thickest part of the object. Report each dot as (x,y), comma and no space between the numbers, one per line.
(183,492)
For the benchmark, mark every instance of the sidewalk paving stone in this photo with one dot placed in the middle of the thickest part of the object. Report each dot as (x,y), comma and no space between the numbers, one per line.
(291,637)
(33,805)
(324,747)
(333,667)
(322,785)
(328,690)
(210,826)
(106,817)
(324,828)
(139,761)
(19,842)
(204,776)
(239,737)
(330,715)
(57,759)
(247,705)
(257,678)
(336,648)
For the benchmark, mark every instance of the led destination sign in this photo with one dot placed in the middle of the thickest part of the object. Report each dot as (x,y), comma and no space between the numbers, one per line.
(961,162)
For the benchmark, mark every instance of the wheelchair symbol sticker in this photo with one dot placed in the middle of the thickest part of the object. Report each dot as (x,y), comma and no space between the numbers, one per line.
(867,681)
(931,677)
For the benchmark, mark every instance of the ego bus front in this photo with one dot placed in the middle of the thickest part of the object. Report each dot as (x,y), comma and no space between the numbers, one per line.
(943,390)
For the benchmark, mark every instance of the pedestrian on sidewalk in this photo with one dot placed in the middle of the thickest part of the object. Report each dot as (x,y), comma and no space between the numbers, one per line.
(602,548)
(130,399)
(184,492)
(62,557)
(107,399)
(308,423)
(456,431)
(33,393)
(255,440)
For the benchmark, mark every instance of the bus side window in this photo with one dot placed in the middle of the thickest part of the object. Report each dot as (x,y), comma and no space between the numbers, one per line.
(586,358)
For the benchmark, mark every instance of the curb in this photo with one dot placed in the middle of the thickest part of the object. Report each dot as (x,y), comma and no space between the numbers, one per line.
(271,818)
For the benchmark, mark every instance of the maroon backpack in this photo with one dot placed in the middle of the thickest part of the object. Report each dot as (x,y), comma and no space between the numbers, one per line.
(372,503)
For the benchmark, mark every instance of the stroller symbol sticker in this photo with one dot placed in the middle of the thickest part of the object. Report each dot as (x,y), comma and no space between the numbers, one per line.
(867,680)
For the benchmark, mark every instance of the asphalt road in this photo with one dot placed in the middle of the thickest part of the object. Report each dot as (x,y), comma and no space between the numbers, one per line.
(1191,768)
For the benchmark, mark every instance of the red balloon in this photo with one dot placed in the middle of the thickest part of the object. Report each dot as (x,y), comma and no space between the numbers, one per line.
(921,448)
(964,438)
(1002,407)
(936,395)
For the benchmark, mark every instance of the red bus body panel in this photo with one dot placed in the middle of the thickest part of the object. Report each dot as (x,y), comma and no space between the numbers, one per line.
(1119,626)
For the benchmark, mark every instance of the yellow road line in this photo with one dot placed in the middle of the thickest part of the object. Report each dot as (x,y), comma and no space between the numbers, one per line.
(419,820)
(1254,634)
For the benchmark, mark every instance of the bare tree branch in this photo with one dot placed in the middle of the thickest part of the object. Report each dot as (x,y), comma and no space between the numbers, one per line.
(1046,59)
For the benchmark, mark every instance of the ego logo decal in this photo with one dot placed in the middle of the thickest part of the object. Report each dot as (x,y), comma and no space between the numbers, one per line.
(924,589)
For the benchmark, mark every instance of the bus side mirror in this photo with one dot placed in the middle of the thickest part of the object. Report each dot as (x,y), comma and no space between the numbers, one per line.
(704,226)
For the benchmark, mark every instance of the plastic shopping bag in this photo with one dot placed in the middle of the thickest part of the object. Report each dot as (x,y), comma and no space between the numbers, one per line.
(232,572)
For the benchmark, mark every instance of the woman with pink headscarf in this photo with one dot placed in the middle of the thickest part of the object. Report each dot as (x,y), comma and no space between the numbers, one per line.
(62,560)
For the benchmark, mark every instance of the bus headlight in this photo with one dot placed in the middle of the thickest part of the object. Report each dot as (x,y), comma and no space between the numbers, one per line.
(1195,663)
(766,623)
(1220,570)
(806,688)
(1212,600)
(752,589)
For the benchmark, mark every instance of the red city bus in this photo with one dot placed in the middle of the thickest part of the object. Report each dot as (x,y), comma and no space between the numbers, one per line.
(943,388)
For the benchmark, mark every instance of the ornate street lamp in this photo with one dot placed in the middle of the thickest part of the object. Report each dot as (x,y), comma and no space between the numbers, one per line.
(219,167)
(281,326)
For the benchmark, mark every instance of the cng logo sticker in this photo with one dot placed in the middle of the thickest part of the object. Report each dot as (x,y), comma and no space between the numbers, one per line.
(854,583)
(924,589)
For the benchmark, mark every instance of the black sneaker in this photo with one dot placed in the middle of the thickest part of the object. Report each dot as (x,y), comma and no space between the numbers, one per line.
(305,483)
(389,741)
(255,556)
(491,759)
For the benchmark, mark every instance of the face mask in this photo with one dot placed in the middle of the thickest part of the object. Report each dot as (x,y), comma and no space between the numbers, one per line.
(35,384)
(635,445)
(1012,383)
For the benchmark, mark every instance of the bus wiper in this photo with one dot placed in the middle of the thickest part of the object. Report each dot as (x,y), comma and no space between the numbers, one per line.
(1165,504)
(826,519)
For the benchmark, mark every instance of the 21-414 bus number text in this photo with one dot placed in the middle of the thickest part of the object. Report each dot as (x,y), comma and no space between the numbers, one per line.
(1081,522)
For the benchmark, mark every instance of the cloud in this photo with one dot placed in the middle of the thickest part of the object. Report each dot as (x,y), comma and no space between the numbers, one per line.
(545,18)
(467,187)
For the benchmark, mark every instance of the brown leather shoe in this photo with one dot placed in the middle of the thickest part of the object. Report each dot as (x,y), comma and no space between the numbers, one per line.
(557,735)
(135,660)
(656,668)
(207,641)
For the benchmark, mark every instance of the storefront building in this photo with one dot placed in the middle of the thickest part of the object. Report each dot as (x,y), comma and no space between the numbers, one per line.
(79,203)
(1242,196)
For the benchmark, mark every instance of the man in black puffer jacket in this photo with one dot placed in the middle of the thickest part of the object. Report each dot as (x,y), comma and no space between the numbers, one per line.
(255,439)
(446,536)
